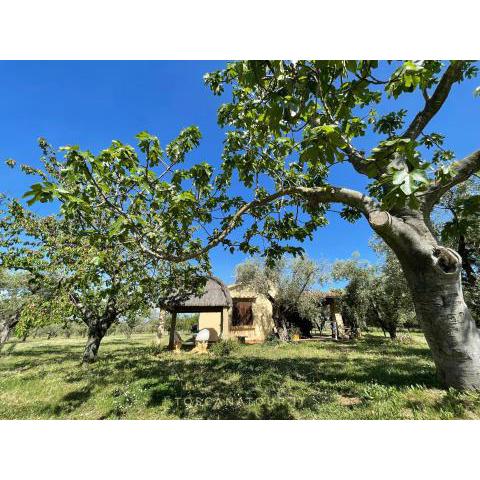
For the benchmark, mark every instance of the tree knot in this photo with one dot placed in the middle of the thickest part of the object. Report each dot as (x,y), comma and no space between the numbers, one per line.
(447,260)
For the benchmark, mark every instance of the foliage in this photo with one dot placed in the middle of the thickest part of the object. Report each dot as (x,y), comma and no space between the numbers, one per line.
(103,280)
(99,286)
(289,122)
(223,348)
(14,291)
(151,205)
(285,284)
(460,230)
(13,287)
(25,304)
(286,124)
(375,295)
(392,300)
(356,300)
(184,322)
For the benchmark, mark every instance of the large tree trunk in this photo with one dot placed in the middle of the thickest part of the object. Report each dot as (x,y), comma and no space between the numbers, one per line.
(97,329)
(433,274)
(96,333)
(387,325)
(392,331)
(279,322)
(449,328)
(7,328)
(282,330)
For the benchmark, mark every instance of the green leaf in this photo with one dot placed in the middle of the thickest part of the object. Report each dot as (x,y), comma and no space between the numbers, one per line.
(399,177)
(406,186)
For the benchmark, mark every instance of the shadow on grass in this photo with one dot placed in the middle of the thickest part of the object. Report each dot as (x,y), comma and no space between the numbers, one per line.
(247,385)
(250,387)
(68,403)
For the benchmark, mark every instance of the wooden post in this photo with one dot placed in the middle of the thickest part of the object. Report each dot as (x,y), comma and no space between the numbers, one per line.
(226,323)
(173,325)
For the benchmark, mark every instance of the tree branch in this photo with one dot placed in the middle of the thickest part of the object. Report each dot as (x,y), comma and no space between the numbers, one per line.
(465,168)
(325,194)
(435,101)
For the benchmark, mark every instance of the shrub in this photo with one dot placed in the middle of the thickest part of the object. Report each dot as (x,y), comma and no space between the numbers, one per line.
(223,348)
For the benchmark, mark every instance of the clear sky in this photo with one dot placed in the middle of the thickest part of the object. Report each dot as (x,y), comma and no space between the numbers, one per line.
(92,103)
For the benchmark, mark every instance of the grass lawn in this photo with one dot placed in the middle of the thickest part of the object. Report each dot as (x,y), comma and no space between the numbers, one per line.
(372,378)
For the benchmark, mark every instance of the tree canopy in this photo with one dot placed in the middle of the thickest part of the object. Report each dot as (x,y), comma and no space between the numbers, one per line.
(285,284)
(287,125)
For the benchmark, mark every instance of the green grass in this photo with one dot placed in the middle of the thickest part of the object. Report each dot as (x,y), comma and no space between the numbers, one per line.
(372,378)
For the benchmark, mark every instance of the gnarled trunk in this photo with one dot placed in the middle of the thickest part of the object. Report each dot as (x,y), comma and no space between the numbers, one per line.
(392,331)
(90,352)
(433,275)
(387,325)
(449,328)
(282,330)
(279,321)
(96,332)
(7,328)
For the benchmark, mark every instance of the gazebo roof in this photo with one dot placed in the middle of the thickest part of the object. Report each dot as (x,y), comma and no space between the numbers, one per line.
(215,297)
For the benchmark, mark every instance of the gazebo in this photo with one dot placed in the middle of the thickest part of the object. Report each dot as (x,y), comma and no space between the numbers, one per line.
(216,301)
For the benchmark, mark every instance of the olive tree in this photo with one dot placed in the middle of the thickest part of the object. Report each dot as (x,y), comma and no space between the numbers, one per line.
(392,305)
(29,296)
(285,284)
(357,295)
(375,294)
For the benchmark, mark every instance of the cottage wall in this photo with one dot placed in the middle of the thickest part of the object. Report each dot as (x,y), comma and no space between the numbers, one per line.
(211,320)
(262,316)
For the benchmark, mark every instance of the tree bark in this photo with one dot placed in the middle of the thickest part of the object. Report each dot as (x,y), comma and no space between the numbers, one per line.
(7,328)
(173,326)
(386,325)
(96,333)
(433,275)
(279,321)
(282,330)
(392,331)
(449,328)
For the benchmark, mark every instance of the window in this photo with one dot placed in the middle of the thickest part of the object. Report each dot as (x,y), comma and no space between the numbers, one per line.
(242,313)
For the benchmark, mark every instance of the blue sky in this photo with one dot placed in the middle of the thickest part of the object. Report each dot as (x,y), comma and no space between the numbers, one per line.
(92,103)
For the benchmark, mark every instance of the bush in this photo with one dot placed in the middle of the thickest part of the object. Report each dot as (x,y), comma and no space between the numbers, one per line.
(223,348)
